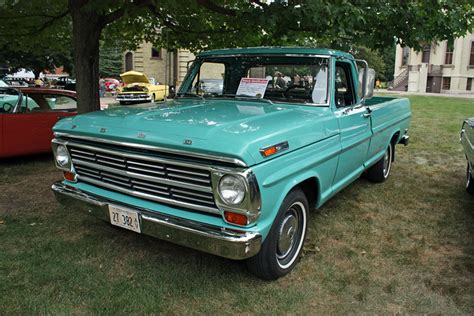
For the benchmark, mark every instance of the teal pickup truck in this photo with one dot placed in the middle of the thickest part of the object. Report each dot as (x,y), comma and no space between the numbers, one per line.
(234,170)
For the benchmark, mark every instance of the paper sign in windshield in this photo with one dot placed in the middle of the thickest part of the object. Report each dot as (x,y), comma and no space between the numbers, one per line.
(252,87)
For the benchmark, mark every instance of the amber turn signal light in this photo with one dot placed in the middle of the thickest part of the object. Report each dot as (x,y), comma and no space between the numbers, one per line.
(272,150)
(235,218)
(69,176)
(269,151)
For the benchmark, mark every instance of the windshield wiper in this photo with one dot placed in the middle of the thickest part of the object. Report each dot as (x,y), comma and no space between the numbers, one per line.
(245,97)
(188,94)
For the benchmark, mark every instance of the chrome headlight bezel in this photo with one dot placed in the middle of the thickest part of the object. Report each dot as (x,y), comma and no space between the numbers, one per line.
(60,149)
(251,203)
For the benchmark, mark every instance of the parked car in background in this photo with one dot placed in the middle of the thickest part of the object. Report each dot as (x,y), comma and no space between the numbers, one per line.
(27,116)
(237,172)
(137,88)
(467,140)
(111,84)
(3,84)
(14,82)
(65,83)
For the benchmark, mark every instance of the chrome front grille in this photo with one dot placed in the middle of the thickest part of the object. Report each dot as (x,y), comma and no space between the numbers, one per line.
(145,176)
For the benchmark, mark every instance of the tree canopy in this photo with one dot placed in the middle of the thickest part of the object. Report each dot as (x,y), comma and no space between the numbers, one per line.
(41,27)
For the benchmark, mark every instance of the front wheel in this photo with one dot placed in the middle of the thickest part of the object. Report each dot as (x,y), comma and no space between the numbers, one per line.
(469,179)
(282,247)
(381,170)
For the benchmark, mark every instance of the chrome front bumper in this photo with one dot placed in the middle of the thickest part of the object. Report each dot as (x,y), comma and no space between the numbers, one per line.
(404,140)
(208,238)
(131,97)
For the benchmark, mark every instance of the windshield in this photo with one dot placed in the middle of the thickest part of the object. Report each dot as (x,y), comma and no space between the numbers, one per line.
(276,78)
(8,100)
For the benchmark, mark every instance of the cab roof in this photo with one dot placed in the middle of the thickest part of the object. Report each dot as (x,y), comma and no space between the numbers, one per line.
(277,51)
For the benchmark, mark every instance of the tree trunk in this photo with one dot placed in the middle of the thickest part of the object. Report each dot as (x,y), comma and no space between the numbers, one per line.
(86,28)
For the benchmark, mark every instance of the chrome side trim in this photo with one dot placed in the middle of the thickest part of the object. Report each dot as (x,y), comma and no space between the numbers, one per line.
(149,196)
(211,158)
(237,245)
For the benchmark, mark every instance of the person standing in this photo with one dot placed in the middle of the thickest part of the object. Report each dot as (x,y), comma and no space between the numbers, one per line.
(101,87)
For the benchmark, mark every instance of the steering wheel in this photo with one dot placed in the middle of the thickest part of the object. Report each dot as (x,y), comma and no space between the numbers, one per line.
(286,93)
(7,107)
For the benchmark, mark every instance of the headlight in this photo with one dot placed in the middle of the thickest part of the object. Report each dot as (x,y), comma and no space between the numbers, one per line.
(62,156)
(232,189)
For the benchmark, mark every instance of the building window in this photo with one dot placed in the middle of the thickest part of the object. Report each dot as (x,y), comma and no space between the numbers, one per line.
(471,60)
(128,61)
(155,52)
(469,84)
(405,55)
(448,59)
(425,57)
(446,83)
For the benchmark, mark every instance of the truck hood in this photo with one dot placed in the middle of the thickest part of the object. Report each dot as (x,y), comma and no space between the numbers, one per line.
(231,128)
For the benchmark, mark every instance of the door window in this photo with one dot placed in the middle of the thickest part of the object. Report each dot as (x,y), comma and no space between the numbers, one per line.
(36,102)
(344,86)
(210,79)
(28,104)
(61,102)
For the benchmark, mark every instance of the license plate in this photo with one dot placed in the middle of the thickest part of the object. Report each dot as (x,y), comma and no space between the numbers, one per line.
(124,217)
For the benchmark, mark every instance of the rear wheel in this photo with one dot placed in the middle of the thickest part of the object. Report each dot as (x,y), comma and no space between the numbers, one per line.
(282,247)
(381,170)
(469,179)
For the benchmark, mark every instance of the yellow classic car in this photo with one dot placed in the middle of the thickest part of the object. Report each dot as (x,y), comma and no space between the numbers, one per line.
(138,88)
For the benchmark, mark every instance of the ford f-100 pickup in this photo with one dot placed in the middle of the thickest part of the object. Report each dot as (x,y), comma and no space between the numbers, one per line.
(234,170)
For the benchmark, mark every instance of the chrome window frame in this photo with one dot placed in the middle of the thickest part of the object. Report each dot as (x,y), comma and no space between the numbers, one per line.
(199,59)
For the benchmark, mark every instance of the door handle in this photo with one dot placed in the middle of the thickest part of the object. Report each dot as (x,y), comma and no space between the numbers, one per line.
(367,115)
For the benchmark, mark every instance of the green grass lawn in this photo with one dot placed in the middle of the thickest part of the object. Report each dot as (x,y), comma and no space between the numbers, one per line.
(404,246)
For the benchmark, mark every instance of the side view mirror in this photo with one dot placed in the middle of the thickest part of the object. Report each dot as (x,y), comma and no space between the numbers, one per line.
(188,64)
(370,83)
(366,80)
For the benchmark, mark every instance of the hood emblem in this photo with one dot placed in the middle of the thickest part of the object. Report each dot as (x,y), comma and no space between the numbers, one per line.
(103,130)
(188,142)
(141,135)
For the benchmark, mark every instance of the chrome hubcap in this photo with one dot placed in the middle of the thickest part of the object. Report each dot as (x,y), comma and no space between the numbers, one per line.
(386,161)
(286,240)
(468,174)
(291,233)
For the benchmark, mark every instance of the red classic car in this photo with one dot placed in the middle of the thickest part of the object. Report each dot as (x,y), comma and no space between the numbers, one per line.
(27,116)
